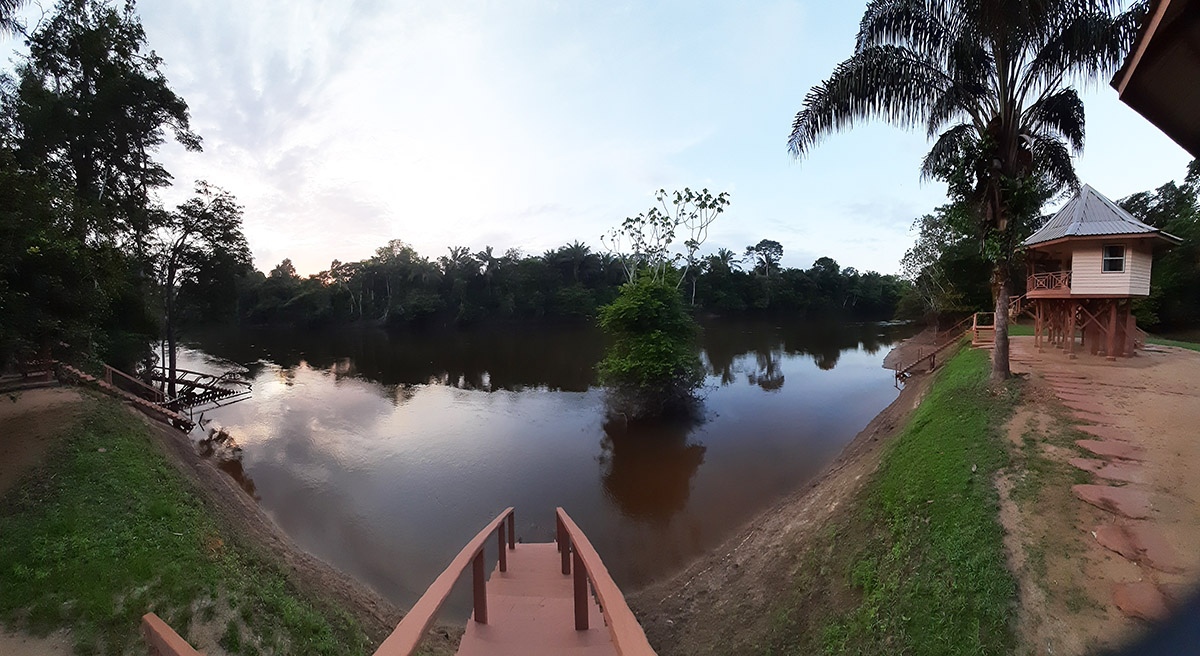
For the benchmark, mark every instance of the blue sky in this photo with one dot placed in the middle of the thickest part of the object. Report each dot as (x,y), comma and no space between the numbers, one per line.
(529,124)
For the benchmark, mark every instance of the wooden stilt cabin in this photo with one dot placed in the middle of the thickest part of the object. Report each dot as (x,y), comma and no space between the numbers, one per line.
(1085,266)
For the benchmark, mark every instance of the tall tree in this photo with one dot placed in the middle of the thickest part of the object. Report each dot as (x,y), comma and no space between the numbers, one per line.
(765,255)
(94,107)
(990,79)
(206,227)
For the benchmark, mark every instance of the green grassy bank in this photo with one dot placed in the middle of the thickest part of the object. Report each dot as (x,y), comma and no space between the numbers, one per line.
(915,564)
(1025,330)
(108,531)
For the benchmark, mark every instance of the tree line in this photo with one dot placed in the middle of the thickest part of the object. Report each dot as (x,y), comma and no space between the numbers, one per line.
(399,287)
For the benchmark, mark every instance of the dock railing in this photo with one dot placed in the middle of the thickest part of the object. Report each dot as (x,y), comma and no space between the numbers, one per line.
(132,385)
(581,559)
(412,629)
(161,640)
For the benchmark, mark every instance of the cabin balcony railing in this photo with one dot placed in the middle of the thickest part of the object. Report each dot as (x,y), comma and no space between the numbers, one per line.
(1047,282)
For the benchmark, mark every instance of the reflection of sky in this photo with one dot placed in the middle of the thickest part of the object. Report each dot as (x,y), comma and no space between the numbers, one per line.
(388,482)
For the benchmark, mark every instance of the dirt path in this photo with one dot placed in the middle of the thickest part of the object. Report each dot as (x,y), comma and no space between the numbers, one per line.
(723,602)
(29,423)
(1102,505)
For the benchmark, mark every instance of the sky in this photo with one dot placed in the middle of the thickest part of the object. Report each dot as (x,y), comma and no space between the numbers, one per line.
(530,124)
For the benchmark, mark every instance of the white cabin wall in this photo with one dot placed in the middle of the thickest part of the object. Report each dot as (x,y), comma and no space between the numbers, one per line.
(1138,263)
(1087,276)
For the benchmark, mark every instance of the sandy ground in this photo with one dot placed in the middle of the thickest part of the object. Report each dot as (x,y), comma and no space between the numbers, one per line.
(1076,593)
(28,428)
(29,422)
(722,602)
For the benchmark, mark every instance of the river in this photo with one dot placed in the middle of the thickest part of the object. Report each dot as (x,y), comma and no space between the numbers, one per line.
(384,453)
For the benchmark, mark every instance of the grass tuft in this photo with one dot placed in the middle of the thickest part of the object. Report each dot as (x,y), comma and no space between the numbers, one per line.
(108,531)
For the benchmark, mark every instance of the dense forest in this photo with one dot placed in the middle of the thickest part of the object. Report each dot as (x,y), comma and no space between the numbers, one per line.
(399,287)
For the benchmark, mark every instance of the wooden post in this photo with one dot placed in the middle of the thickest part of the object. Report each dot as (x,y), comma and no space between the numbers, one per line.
(564,547)
(1111,353)
(1070,336)
(479,580)
(581,593)
(1130,330)
(500,541)
(512,531)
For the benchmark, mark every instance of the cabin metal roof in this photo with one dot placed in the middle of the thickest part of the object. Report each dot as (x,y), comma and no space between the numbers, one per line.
(1090,214)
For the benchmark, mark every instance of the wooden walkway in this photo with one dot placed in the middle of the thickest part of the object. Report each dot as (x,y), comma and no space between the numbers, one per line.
(531,611)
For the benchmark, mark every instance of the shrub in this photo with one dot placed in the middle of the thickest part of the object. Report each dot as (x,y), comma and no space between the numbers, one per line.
(652,367)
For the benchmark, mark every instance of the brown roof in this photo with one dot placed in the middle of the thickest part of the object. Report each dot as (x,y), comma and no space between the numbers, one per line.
(1160,78)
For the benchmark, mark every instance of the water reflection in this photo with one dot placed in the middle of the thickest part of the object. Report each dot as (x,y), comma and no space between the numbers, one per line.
(647,467)
(383,454)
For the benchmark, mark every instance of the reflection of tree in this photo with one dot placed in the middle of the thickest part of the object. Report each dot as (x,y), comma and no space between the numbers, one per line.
(221,447)
(769,374)
(647,467)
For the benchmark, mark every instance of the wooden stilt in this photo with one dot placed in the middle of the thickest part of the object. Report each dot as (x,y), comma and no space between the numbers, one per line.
(1111,352)
(1070,336)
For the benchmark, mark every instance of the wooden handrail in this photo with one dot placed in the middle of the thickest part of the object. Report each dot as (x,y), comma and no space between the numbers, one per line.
(627,635)
(161,640)
(412,629)
(109,371)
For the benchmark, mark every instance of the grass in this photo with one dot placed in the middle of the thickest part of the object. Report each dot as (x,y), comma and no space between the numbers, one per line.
(1161,341)
(109,531)
(916,565)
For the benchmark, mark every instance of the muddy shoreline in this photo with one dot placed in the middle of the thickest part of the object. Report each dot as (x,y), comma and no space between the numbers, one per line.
(724,599)
(241,516)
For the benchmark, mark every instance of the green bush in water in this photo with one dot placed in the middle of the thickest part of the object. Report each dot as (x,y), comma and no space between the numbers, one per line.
(652,367)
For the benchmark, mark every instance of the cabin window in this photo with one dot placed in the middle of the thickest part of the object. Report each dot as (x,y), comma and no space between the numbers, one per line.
(1114,259)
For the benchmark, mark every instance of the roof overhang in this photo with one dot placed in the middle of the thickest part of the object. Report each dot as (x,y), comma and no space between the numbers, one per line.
(1160,78)
(1157,236)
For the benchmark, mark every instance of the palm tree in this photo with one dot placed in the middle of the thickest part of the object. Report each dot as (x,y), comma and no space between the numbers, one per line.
(990,79)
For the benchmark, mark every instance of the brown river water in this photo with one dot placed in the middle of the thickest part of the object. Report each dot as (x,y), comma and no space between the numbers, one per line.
(384,453)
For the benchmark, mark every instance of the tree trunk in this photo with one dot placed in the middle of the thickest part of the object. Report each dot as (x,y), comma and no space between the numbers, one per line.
(170,334)
(1000,368)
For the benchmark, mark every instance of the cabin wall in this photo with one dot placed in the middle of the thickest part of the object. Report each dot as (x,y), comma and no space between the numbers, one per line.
(1088,277)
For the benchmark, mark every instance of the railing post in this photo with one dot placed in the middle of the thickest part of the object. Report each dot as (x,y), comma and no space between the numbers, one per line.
(480,587)
(108,374)
(512,531)
(503,548)
(581,594)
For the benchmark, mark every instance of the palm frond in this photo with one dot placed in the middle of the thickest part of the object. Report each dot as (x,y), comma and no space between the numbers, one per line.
(1061,112)
(917,24)
(1087,45)
(1053,162)
(888,82)
(949,152)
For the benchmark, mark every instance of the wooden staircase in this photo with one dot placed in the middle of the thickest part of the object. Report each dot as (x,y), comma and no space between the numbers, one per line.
(543,598)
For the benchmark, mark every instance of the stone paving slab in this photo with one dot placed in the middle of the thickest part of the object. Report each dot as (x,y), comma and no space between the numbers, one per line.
(1125,472)
(1092,417)
(1124,501)
(1112,449)
(1140,544)
(1141,599)
(1085,406)
(1105,432)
